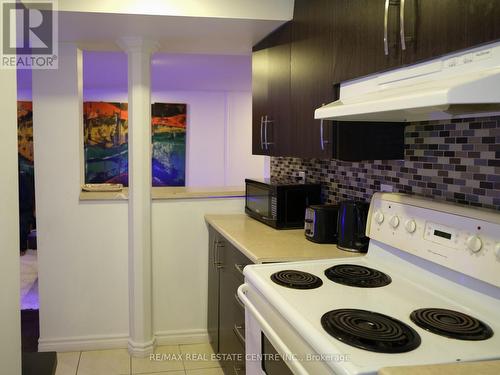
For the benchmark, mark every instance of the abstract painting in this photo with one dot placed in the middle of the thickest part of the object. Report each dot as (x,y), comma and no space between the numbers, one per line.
(105,129)
(25,136)
(169,144)
(106,143)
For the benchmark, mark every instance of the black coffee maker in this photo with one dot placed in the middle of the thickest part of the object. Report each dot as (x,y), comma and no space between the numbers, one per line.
(351,226)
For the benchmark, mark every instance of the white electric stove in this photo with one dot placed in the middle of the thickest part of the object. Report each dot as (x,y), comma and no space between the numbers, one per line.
(427,292)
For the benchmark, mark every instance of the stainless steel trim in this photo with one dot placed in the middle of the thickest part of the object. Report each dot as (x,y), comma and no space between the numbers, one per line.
(386,27)
(402,24)
(239,267)
(239,301)
(236,330)
(261,132)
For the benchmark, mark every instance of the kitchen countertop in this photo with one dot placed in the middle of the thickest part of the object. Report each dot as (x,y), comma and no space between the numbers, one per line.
(263,244)
(465,368)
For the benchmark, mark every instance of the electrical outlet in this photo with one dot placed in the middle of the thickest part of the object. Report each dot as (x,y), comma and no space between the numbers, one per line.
(386,188)
(301,176)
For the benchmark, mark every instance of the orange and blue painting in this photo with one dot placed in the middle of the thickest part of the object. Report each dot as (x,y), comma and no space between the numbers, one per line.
(106,143)
(25,136)
(169,144)
(105,132)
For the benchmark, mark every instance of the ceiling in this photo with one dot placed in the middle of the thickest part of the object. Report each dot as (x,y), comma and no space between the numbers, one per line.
(107,71)
(175,34)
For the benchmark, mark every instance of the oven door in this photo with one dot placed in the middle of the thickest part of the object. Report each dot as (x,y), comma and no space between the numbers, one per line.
(261,338)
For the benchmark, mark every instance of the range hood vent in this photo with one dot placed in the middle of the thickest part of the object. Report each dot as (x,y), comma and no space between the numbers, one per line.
(459,85)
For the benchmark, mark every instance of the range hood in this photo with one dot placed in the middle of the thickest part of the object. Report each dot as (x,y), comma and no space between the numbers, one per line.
(458,85)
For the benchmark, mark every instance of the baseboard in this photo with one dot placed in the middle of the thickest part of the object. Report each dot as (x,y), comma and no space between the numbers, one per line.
(95,342)
(141,350)
(188,336)
(100,342)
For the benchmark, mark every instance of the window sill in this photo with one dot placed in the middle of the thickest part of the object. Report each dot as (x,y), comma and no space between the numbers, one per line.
(104,195)
(181,192)
(166,193)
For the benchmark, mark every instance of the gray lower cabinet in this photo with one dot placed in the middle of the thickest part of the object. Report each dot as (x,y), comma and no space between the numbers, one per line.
(213,289)
(226,313)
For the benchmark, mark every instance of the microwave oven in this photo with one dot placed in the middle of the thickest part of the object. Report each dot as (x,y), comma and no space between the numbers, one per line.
(280,204)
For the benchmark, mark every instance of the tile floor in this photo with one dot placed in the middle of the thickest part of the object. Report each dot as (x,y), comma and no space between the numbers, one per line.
(29,280)
(170,360)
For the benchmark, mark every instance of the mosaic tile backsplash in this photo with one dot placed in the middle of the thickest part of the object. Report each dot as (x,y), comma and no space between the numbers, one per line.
(456,160)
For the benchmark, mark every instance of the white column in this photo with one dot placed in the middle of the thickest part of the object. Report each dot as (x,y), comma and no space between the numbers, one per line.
(141,340)
(10,326)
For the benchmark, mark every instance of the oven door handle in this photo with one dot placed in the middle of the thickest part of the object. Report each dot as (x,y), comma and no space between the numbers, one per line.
(270,333)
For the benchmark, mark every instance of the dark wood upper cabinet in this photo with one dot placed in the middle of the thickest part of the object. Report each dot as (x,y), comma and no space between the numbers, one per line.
(326,49)
(313,52)
(260,93)
(271,94)
(298,67)
(434,28)
(483,21)
(365,42)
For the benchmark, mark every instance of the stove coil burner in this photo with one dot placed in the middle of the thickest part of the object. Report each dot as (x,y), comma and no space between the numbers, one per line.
(358,276)
(451,324)
(296,279)
(370,331)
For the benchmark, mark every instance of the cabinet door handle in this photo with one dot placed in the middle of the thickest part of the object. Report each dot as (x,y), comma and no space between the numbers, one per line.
(386,26)
(216,250)
(322,140)
(217,261)
(236,330)
(402,24)
(262,132)
(267,142)
(266,145)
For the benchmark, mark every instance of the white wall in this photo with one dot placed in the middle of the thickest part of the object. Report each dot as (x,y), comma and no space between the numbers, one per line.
(10,338)
(83,274)
(180,266)
(83,252)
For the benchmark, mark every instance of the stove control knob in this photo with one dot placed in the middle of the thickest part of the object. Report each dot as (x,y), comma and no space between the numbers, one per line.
(394,222)
(410,226)
(497,251)
(379,217)
(474,243)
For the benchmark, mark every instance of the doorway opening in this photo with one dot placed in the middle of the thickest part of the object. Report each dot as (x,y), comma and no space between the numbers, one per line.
(29,300)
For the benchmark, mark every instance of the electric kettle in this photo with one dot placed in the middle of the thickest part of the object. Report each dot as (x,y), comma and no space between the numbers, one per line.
(351,226)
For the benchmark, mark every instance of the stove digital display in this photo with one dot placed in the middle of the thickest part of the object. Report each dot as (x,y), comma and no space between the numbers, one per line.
(442,234)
